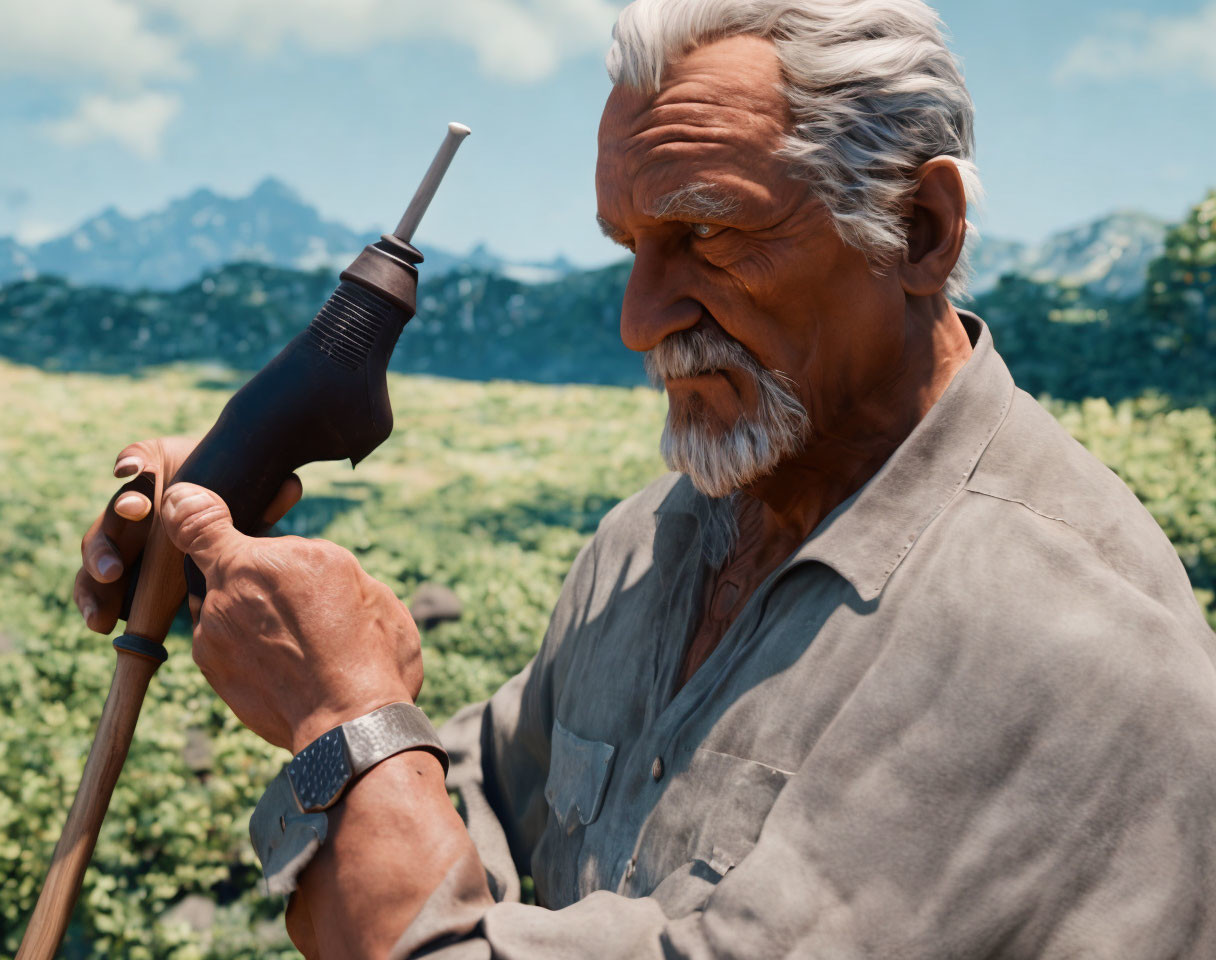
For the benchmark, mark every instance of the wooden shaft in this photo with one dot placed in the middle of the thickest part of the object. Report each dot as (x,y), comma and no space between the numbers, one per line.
(157,597)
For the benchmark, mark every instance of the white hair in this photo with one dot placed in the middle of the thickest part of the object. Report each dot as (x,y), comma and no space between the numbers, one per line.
(872,88)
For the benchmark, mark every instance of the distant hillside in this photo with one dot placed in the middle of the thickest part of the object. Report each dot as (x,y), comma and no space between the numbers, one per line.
(1107,256)
(479,325)
(15,260)
(472,324)
(203,231)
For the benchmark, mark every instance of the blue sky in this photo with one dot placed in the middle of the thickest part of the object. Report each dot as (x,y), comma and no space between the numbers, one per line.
(1082,107)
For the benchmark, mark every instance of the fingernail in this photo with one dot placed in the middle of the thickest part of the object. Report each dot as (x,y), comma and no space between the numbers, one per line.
(109,566)
(128,466)
(88,611)
(132,506)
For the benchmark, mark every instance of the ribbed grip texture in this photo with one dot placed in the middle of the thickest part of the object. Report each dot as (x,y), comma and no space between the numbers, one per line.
(349,324)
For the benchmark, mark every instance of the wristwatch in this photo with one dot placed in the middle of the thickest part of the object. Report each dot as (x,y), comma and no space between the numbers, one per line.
(289,824)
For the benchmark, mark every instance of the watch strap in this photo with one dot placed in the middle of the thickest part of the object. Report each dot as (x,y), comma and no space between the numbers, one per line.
(284,838)
(321,772)
(387,731)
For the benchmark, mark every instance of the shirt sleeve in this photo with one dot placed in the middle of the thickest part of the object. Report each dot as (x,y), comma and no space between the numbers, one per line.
(499,751)
(495,764)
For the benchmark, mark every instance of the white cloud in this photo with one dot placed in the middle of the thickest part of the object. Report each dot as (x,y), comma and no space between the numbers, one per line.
(1135,45)
(62,39)
(128,42)
(518,40)
(136,122)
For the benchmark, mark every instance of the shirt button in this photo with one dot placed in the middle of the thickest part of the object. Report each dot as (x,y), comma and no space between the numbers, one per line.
(630,866)
(656,768)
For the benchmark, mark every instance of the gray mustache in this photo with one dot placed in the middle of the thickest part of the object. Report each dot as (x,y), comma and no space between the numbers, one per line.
(689,353)
(717,462)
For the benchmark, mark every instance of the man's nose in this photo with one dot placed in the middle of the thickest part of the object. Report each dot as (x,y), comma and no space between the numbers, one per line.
(656,302)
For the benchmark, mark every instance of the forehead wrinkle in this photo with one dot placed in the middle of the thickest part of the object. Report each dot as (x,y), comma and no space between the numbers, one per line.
(726,86)
(697,122)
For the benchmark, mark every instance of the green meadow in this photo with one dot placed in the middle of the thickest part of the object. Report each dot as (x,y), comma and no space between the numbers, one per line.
(487,488)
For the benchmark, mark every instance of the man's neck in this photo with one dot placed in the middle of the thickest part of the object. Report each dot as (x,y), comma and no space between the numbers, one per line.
(845,453)
(778,512)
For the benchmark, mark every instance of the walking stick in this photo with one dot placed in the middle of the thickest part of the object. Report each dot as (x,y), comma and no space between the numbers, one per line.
(324,397)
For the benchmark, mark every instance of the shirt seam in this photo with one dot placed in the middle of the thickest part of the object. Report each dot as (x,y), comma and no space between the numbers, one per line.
(1098,552)
(1033,509)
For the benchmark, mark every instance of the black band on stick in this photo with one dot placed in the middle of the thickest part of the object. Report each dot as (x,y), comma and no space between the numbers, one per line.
(141,646)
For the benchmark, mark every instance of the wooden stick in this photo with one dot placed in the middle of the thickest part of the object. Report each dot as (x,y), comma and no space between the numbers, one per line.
(307,404)
(158,595)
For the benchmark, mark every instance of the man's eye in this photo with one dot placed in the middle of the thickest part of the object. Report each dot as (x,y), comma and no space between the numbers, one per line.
(704,230)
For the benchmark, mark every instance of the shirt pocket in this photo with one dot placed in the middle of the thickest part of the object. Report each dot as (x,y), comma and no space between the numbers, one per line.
(739,795)
(578,777)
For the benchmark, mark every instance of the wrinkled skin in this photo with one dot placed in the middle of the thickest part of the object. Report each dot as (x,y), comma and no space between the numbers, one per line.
(296,638)
(299,598)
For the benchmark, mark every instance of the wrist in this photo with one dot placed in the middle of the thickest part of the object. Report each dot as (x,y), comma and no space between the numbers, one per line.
(290,823)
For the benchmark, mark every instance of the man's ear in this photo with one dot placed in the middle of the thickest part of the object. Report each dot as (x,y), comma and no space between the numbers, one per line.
(937,226)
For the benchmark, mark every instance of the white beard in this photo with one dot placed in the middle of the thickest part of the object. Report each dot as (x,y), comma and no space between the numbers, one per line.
(720,462)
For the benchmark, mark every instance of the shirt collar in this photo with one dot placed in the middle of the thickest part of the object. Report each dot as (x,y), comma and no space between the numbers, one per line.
(867,536)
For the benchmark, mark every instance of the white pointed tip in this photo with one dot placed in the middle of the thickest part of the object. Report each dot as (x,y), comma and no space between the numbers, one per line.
(459,129)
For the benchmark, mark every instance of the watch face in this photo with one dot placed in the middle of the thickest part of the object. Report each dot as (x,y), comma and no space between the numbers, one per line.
(320,771)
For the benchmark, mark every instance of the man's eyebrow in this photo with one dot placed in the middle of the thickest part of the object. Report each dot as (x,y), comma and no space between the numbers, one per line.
(610,230)
(696,201)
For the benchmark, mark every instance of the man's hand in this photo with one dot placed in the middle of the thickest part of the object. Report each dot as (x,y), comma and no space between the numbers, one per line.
(293,634)
(118,535)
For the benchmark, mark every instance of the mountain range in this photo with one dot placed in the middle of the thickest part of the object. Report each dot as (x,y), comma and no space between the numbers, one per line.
(169,248)
(1108,256)
(273,225)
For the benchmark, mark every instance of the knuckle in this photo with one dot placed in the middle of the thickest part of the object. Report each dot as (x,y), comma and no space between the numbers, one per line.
(195,524)
(328,556)
(390,600)
(333,553)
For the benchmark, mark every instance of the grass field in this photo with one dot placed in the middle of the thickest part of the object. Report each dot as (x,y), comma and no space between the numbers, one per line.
(487,488)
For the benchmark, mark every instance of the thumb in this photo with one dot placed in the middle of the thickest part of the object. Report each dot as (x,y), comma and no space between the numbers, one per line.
(199,524)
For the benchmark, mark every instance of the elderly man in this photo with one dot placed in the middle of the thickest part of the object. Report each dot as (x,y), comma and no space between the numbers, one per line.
(889,667)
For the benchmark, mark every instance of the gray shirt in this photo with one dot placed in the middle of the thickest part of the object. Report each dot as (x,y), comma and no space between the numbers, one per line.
(973,715)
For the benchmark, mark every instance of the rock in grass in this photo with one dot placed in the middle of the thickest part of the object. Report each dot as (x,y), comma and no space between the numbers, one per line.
(434,603)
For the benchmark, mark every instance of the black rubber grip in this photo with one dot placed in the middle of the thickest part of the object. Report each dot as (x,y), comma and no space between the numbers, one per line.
(141,646)
(324,397)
